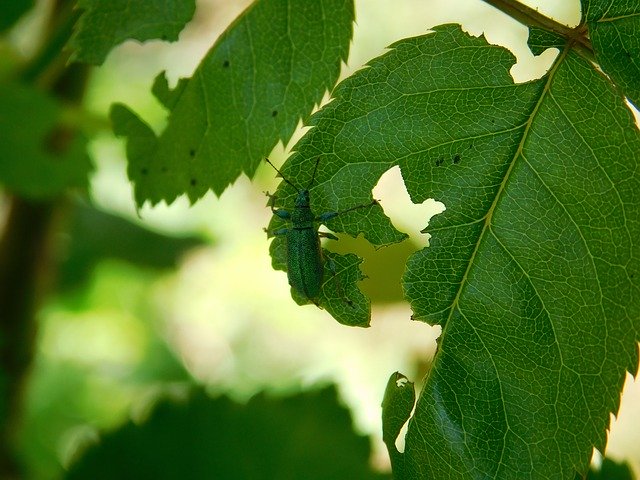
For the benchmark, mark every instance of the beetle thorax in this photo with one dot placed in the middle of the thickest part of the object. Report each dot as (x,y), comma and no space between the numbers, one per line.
(302,212)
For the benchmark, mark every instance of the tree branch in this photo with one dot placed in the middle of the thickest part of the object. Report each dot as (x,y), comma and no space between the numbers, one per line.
(532,18)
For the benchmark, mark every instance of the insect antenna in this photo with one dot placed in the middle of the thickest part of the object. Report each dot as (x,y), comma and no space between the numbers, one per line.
(281,175)
(315,169)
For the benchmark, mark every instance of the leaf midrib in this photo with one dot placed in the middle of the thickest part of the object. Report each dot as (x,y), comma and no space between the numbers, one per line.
(503,185)
(489,215)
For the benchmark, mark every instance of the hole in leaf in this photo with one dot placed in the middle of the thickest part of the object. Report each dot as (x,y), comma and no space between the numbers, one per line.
(402,382)
(405,215)
(400,439)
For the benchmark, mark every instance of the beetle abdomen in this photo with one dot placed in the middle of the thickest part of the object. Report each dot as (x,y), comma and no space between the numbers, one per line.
(304,261)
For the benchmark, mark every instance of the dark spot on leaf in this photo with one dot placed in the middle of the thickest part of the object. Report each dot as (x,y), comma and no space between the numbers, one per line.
(164,169)
(632,275)
(144,171)
(163,37)
(193,182)
(225,64)
(274,113)
(192,152)
(439,162)
(456,159)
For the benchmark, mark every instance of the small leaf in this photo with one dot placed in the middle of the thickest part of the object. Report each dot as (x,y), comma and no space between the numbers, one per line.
(340,296)
(39,156)
(613,28)
(105,24)
(168,97)
(399,399)
(262,76)
(540,39)
(609,470)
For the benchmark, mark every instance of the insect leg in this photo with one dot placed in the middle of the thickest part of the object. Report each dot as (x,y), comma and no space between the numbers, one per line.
(284,214)
(276,232)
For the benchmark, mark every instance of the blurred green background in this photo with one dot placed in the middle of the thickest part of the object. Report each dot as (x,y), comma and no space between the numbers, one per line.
(147,304)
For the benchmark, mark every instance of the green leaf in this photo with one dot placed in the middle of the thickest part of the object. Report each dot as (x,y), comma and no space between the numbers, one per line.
(532,270)
(39,156)
(12,10)
(339,296)
(540,39)
(142,139)
(306,436)
(168,97)
(94,235)
(614,28)
(261,77)
(399,399)
(105,24)
(609,470)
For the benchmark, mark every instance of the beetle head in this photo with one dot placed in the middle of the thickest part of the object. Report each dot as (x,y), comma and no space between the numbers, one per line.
(302,200)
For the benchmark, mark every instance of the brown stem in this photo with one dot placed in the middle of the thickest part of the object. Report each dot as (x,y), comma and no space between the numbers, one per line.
(24,261)
(532,18)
